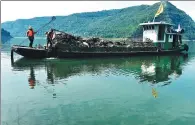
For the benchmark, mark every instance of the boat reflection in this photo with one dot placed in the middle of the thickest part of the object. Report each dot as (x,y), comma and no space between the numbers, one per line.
(154,93)
(161,70)
(153,69)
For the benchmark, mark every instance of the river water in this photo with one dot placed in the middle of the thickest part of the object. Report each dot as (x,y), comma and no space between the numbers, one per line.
(148,90)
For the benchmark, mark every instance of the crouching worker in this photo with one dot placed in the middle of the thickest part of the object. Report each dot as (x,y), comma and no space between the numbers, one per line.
(49,36)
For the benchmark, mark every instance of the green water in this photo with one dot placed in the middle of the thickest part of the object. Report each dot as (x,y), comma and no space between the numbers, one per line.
(115,91)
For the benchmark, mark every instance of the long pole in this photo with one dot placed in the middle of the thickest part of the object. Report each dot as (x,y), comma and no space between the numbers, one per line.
(53,18)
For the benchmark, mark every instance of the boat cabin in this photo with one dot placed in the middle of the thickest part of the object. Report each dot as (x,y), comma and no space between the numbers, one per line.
(162,34)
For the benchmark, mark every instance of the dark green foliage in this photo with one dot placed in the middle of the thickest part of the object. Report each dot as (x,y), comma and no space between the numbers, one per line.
(108,24)
(5,35)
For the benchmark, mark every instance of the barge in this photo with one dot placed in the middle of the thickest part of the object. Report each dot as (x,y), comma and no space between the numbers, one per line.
(159,38)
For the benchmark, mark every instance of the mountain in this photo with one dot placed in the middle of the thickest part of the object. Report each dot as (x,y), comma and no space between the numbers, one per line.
(5,36)
(108,23)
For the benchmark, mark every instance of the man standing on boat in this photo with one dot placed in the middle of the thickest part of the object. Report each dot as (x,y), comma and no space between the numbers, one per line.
(30,34)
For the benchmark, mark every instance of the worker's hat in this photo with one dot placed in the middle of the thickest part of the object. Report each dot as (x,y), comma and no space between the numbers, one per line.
(30,27)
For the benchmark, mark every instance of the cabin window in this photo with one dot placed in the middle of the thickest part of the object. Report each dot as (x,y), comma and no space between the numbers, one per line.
(169,30)
(161,32)
(152,27)
(144,27)
(148,27)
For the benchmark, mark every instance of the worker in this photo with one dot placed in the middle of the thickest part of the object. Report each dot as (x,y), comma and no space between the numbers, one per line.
(30,34)
(32,80)
(49,36)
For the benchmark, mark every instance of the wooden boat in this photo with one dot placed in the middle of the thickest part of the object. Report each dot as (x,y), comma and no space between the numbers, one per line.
(163,38)
(33,53)
(45,53)
(29,52)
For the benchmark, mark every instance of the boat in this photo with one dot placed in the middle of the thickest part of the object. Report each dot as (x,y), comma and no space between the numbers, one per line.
(159,38)
(29,52)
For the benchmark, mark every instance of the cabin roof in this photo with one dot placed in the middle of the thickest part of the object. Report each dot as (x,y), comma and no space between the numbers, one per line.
(155,23)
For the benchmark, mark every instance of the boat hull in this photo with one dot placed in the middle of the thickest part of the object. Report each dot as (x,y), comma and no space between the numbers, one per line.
(62,54)
(28,52)
(44,53)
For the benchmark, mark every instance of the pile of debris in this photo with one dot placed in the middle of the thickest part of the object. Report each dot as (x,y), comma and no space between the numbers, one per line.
(64,40)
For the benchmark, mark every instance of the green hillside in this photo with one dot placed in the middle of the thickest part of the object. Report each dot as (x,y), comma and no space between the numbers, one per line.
(108,24)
